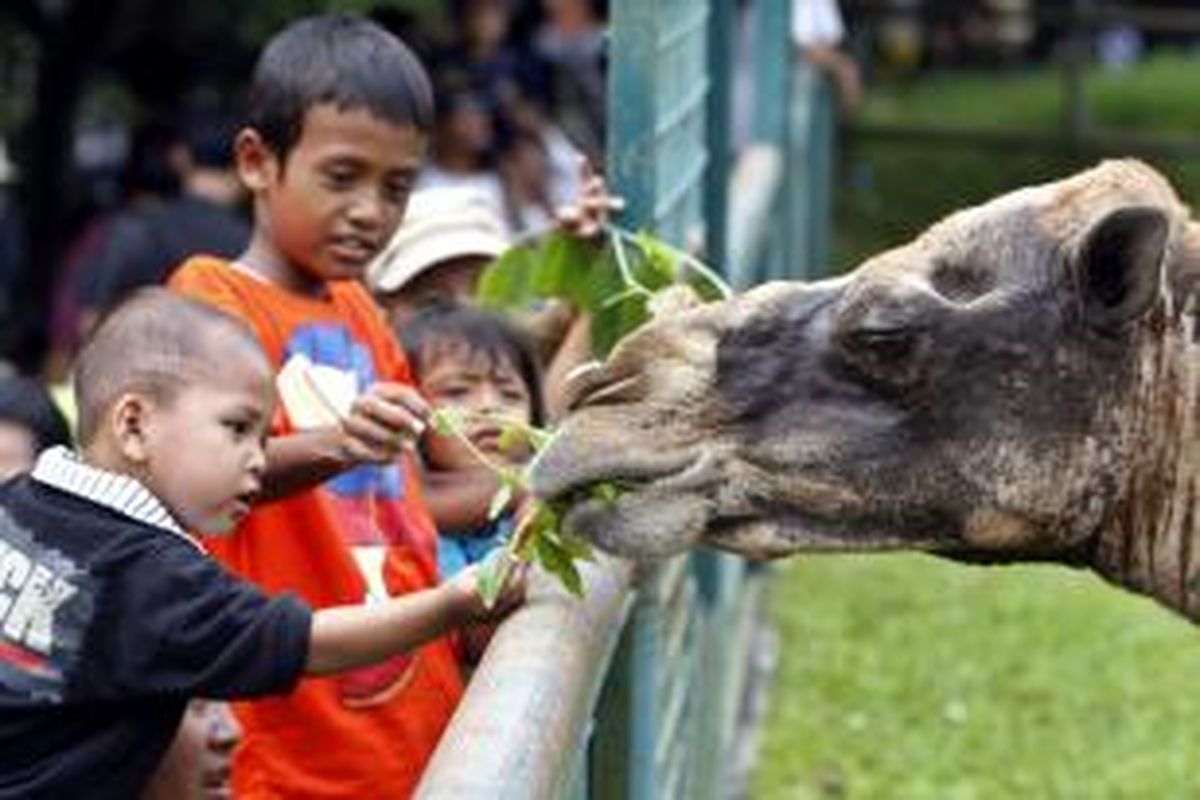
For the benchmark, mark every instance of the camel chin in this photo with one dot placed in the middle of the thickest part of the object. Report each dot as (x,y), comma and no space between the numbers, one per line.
(641,524)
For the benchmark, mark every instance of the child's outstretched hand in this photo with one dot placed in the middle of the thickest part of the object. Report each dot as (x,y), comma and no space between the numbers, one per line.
(586,217)
(512,594)
(382,422)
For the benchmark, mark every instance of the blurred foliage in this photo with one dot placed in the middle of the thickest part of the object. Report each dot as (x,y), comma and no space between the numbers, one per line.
(894,190)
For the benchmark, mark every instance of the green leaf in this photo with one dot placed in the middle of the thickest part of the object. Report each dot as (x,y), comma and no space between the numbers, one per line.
(539,438)
(490,578)
(508,281)
(611,324)
(608,491)
(563,260)
(500,501)
(543,523)
(554,558)
(578,548)
(447,421)
(659,263)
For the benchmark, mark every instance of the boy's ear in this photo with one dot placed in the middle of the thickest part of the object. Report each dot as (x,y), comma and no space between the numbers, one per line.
(257,166)
(129,419)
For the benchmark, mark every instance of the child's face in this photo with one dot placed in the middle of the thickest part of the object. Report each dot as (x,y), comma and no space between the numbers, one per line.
(198,763)
(456,377)
(340,195)
(18,449)
(204,450)
(453,279)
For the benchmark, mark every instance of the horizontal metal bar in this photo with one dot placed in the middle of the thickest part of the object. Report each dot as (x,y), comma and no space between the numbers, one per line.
(528,708)
(1092,141)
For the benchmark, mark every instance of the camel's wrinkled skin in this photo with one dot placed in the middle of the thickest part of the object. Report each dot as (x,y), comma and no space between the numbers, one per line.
(1018,383)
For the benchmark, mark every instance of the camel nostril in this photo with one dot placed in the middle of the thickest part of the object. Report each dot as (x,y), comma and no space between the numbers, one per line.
(580,381)
(623,390)
(594,384)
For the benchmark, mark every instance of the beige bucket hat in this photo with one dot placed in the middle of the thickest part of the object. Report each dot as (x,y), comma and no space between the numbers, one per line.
(440,223)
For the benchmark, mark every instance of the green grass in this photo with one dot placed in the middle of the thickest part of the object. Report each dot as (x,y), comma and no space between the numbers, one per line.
(893,190)
(910,678)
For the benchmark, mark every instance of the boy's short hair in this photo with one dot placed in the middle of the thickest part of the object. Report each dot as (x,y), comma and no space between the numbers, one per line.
(156,342)
(481,331)
(341,59)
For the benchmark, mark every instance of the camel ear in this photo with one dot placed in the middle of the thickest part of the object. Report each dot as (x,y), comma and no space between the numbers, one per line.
(1120,265)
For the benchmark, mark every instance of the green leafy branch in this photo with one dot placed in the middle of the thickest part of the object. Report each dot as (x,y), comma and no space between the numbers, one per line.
(617,282)
(614,280)
(539,536)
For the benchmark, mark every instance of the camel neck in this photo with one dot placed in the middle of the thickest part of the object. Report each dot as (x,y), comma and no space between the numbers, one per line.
(1150,543)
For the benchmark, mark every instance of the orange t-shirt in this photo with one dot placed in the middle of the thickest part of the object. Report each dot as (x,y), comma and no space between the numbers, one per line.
(366,733)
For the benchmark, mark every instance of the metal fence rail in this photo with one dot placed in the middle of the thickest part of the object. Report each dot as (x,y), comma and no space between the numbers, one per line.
(633,692)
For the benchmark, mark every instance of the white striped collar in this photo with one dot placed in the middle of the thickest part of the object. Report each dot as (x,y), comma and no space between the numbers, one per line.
(62,468)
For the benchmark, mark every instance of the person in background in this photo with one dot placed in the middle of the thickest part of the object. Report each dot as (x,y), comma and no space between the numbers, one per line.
(473,363)
(199,763)
(30,422)
(450,234)
(571,43)
(464,143)
(817,33)
(155,233)
(476,364)
(448,238)
(482,54)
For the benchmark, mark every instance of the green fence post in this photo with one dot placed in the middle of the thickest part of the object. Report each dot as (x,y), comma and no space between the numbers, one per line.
(718,137)
(772,122)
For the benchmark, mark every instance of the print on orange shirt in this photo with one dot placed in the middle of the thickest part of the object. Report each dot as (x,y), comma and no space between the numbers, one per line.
(369,501)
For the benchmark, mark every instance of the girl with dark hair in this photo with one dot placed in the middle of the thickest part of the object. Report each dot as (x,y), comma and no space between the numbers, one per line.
(472,363)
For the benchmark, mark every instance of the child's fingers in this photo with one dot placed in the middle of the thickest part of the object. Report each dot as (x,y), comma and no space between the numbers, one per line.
(368,441)
(569,215)
(406,397)
(400,420)
(586,170)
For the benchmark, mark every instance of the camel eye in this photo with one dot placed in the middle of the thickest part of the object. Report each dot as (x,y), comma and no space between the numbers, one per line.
(885,358)
(882,344)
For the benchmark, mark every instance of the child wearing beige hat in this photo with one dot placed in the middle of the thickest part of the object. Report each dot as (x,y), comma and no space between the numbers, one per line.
(449,235)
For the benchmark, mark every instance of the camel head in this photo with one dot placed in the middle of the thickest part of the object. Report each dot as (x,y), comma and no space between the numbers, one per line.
(1019,382)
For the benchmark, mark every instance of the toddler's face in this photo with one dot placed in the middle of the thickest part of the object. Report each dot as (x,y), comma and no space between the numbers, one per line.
(342,191)
(18,449)
(205,449)
(454,376)
(198,764)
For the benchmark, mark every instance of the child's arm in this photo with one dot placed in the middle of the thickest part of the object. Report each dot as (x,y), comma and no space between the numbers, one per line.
(383,421)
(574,350)
(355,636)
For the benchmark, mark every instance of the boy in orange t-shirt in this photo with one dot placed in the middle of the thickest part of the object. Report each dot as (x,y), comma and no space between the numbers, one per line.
(338,122)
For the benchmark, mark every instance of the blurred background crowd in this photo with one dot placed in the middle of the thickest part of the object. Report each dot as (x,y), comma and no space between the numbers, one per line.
(116,119)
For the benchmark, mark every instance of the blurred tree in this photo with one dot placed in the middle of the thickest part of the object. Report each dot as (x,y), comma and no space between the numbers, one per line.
(159,53)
